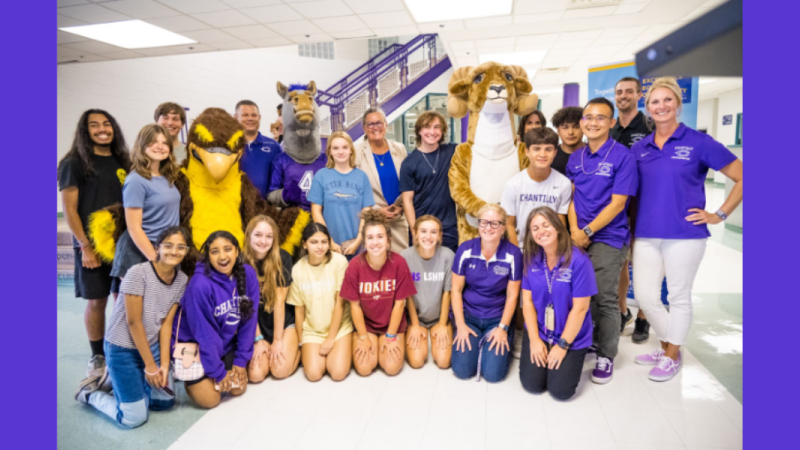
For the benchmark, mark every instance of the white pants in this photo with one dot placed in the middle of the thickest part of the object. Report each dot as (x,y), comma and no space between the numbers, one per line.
(679,260)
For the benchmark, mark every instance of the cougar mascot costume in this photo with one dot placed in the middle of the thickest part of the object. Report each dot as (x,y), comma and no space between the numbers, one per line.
(215,194)
(492,93)
(294,169)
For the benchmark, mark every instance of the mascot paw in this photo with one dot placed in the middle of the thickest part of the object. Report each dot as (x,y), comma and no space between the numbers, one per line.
(292,194)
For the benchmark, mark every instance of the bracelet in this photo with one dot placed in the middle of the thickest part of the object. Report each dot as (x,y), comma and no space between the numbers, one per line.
(388,339)
(388,336)
(260,337)
(148,373)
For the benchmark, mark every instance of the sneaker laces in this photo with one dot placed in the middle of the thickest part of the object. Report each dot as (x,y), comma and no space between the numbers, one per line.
(657,354)
(666,364)
(603,363)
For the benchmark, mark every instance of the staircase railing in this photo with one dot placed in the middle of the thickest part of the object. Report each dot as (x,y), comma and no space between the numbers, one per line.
(376,81)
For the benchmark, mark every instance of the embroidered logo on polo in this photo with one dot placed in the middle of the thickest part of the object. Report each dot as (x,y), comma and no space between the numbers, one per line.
(565,276)
(500,270)
(682,153)
(605,169)
(636,137)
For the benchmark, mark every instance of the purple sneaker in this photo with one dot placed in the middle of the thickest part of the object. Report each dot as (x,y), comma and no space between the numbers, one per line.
(665,369)
(603,371)
(650,359)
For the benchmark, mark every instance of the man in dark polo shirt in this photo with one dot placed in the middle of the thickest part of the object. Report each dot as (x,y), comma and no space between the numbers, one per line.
(631,127)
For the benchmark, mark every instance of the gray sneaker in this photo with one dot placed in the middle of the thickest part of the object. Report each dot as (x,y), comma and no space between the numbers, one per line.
(97,366)
(87,386)
(641,331)
(626,319)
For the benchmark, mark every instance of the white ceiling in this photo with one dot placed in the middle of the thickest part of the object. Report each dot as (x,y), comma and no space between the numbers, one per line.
(575,39)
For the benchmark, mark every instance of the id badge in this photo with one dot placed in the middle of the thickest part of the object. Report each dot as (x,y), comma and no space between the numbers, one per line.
(550,318)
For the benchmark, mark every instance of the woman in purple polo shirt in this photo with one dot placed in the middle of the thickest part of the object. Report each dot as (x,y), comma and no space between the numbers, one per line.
(671,221)
(484,289)
(557,287)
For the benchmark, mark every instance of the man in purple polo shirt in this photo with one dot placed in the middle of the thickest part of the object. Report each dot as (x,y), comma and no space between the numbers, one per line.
(259,150)
(604,176)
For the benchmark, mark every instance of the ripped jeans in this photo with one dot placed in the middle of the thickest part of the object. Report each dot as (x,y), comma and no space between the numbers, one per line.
(132,397)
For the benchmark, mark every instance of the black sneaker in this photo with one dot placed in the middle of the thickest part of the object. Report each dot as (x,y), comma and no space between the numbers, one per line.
(627,318)
(641,331)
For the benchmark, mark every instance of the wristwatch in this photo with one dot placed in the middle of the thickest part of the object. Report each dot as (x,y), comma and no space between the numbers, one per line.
(564,344)
(722,214)
(503,327)
(588,231)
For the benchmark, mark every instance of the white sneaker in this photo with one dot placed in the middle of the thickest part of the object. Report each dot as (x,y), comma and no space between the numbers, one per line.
(517,344)
(86,388)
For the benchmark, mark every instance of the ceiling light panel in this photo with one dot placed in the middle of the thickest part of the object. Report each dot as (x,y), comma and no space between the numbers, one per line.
(130,34)
(438,10)
(516,58)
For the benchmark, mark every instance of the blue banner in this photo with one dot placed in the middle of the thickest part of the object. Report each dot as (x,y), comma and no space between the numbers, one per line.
(603,79)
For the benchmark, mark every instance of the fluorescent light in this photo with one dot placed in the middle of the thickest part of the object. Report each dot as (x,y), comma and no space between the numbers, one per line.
(443,10)
(524,59)
(130,34)
(707,80)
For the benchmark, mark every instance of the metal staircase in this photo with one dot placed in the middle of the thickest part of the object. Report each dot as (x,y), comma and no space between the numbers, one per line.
(387,80)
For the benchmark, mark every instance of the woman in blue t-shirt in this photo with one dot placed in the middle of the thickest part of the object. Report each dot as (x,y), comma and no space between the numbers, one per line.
(339,194)
(151,200)
(671,226)
(557,286)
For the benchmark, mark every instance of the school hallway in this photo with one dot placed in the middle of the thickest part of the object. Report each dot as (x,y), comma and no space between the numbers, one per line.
(701,408)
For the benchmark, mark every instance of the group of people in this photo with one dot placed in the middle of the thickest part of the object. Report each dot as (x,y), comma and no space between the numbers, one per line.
(549,264)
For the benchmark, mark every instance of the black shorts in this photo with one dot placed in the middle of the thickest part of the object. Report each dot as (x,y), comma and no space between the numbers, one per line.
(93,284)
(126,255)
(227,359)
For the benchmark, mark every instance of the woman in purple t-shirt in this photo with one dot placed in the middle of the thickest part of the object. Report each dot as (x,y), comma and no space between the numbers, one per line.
(557,286)
(671,221)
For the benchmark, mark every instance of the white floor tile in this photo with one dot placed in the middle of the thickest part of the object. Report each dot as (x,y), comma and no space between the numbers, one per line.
(507,415)
(640,446)
(387,434)
(405,407)
(332,433)
(503,440)
(449,412)
(448,385)
(565,442)
(358,405)
(578,422)
(702,429)
(458,438)
(641,426)
(274,430)
(222,426)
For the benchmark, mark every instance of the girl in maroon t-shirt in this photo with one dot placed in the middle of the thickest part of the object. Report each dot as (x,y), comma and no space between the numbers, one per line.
(378,283)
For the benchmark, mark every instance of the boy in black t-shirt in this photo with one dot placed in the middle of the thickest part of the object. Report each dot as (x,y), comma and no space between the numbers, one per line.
(90,177)
(567,122)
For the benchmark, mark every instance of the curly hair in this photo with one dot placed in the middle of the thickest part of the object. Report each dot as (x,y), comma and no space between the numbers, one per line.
(245,303)
(568,115)
(373,218)
(83,145)
(271,267)
(140,162)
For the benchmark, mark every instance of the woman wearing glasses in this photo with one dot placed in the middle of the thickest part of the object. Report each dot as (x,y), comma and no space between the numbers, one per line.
(139,334)
(381,160)
(487,272)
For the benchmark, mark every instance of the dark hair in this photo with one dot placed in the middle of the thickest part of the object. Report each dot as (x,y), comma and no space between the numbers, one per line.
(531,250)
(170,108)
(634,79)
(245,102)
(425,119)
(569,115)
(166,234)
(245,303)
(523,119)
(83,145)
(312,229)
(601,101)
(371,218)
(541,136)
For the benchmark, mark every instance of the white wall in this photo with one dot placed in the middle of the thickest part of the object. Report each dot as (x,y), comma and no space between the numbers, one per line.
(131,89)
(729,103)
(707,116)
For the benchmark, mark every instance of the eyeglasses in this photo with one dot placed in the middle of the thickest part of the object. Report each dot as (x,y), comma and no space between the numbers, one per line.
(375,125)
(598,119)
(179,248)
(495,224)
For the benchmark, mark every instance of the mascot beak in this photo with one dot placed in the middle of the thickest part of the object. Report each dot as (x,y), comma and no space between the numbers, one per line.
(218,161)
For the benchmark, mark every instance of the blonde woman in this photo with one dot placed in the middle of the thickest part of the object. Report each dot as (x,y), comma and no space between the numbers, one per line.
(671,220)
(276,344)
(339,193)
(381,159)
(430,264)
(151,200)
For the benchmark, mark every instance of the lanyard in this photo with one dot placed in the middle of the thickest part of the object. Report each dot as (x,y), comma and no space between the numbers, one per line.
(550,309)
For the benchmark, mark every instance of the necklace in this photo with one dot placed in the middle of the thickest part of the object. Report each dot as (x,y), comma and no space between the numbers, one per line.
(583,165)
(435,163)
(380,160)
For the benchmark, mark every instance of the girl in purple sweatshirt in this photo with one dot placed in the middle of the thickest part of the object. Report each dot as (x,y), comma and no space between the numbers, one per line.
(217,312)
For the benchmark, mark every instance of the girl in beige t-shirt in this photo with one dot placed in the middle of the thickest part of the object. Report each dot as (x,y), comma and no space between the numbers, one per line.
(325,317)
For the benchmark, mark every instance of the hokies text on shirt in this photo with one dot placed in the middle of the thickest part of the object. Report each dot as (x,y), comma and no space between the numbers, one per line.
(427,276)
(377,286)
(682,153)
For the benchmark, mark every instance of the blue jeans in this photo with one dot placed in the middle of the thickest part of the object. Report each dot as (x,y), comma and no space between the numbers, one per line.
(132,395)
(493,367)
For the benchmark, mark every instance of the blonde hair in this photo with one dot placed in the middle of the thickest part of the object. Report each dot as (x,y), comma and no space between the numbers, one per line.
(427,218)
(343,135)
(140,162)
(666,82)
(499,210)
(272,267)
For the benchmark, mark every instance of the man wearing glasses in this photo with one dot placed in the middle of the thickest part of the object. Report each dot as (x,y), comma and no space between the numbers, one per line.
(604,175)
